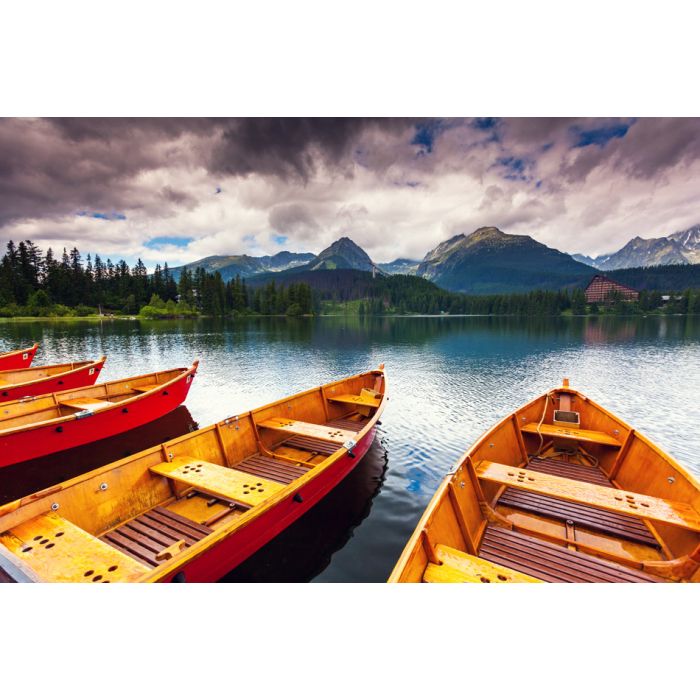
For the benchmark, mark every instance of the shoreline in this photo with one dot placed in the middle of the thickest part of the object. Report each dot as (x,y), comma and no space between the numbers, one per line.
(94,318)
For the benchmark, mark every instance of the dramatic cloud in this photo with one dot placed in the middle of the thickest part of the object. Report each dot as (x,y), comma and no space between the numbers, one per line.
(180,189)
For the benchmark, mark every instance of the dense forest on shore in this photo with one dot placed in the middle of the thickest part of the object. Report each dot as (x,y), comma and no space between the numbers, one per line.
(37,284)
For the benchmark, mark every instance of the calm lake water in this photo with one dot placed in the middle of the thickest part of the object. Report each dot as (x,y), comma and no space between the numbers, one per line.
(449,380)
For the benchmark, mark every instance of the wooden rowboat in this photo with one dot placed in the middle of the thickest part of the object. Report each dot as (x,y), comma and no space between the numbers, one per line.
(559,491)
(35,381)
(18,359)
(195,507)
(37,426)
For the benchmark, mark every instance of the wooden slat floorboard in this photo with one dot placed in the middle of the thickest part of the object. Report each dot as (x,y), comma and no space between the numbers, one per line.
(152,532)
(273,469)
(551,562)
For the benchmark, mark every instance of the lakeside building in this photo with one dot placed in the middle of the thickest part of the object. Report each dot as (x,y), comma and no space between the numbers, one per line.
(602,289)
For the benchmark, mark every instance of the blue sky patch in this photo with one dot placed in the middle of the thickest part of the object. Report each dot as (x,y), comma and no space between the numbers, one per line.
(426,133)
(484,123)
(279,239)
(112,216)
(600,136)
(514,168)
(160,241)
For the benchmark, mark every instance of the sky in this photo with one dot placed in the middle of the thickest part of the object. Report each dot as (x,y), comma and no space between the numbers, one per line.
(177,190)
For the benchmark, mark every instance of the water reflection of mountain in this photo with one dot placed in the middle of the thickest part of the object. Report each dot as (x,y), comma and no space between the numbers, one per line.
(24,478)
(305,548)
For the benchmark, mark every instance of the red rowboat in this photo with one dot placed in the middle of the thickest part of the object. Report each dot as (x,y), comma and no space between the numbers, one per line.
(42,425)
(35,381)
(18,359)
(195,507)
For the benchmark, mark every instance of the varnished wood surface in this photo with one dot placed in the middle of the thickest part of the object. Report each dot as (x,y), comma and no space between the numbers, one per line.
(458,567)
(312,430)
(357,400)
(57,550)
(218,480)
(592,436)
(614,500)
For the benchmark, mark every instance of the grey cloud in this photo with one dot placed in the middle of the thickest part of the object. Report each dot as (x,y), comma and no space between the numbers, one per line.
(293,218)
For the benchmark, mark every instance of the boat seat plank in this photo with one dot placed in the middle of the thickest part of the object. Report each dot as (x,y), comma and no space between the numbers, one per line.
(312,445)
(553,563)
(459,567)
(58,550)
(558,431)
(86,403)
(217,480)
(357,400)
(154,532)
(313,430)
(588,517)
(569,470)
(272,469)
(615,500)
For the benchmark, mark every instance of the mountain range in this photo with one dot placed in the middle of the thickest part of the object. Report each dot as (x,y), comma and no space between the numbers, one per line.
(246,265)
(680,248)
(490,261)
(486,261)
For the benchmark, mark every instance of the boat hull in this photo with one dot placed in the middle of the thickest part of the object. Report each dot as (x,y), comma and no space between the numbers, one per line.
(83,376)
(19,359)
(48,439)
(229,553)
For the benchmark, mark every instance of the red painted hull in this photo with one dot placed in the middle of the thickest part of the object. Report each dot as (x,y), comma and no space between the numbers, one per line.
(83,376)
(48,439)
(18,359)
(230,552)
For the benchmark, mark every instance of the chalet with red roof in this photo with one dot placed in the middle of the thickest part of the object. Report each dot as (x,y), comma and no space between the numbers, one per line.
(602,289)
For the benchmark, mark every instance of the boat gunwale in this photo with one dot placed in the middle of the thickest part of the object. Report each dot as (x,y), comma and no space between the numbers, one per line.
(182,372)
(83,364)
(9,353)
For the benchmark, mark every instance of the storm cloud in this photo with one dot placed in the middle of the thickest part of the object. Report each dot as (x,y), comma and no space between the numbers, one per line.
(120,187)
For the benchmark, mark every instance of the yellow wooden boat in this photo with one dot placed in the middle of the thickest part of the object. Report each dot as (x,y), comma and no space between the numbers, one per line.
(559,491)
(193,508)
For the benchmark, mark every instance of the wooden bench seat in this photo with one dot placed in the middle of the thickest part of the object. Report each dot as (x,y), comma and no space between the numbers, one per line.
(219,481)
(615,500)
(83,404)
(57,550)
(152,533)
(559,431)
(459,567)
(357,399)
(312,430)
(553,563)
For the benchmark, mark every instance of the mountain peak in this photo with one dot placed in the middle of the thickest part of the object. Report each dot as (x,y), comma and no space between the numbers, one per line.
(342,254)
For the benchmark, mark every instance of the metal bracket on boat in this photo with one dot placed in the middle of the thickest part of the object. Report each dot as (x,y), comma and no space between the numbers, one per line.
(83,414)
(232,422)
(348,446)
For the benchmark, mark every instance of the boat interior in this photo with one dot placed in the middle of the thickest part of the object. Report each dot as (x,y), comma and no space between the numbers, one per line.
(11,377)
(21,413)
(559,491)
(130,520)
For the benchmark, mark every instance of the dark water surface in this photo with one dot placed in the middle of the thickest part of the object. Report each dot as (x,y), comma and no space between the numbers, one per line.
(449,380)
